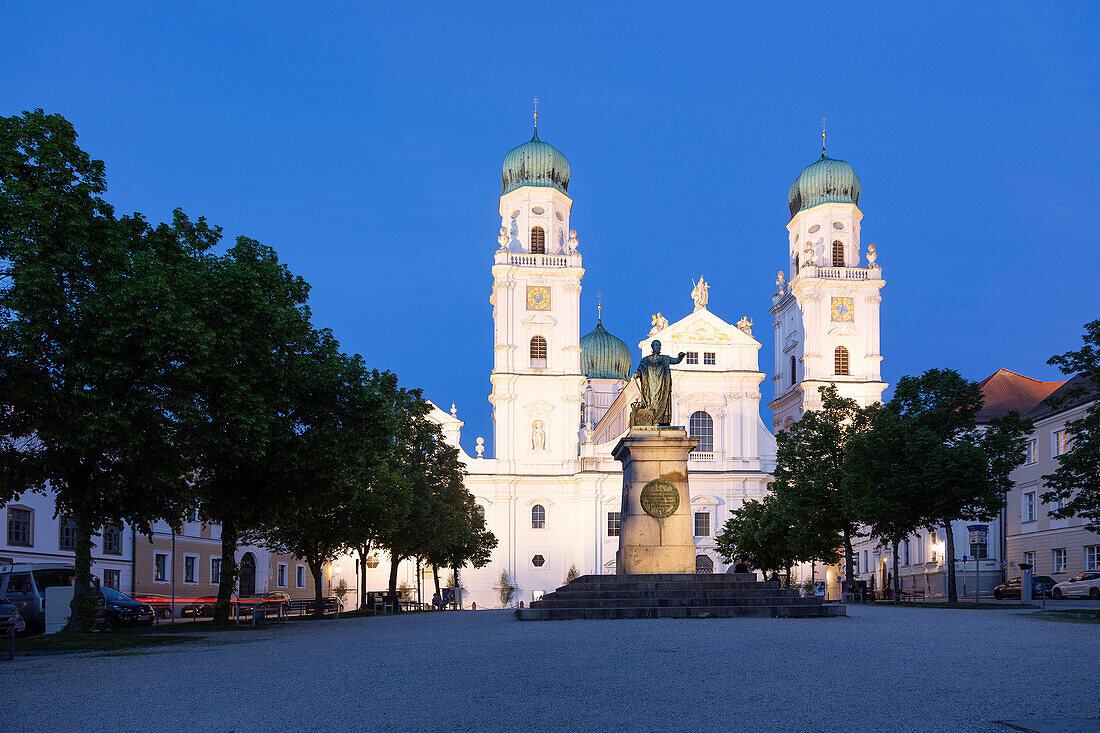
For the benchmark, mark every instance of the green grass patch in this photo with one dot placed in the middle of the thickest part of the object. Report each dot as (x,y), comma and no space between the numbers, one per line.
(92,642)
(1073,615)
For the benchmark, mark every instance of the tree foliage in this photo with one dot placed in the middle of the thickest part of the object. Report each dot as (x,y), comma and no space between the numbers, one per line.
(761,534)
(1075,484)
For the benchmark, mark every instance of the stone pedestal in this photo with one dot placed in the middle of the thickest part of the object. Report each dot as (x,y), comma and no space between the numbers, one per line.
(656,533)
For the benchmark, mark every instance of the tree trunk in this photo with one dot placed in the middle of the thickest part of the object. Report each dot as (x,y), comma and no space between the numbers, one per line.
(788,573)
(849,568)
(897,578)
(83,608)
(229,570)
(317,568)
(949,550)
(363,551)
(435,575)
(394,562)
(458,587)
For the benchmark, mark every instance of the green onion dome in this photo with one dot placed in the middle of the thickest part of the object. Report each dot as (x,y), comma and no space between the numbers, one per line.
(535,163)
(604,356)
(825,181)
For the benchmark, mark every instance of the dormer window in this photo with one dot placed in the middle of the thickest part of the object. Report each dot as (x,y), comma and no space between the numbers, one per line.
(838,253)
(538,240)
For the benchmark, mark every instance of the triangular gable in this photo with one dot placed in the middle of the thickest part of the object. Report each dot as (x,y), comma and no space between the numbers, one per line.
(702,327)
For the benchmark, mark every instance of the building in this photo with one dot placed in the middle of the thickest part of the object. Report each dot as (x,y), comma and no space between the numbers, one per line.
(1060,548)
(551,491)
(981,554)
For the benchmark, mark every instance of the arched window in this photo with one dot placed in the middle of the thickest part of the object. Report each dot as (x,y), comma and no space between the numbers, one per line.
(796,264)
(538,517)
(538,351)
(838,253)
(840,361)
(701,426)
(703,564)
(538,241)
(480,511)
(794,364)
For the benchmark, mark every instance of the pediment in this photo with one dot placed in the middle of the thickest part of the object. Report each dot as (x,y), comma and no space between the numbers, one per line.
(537,319)
(843,329)
(538,406)
(701,327)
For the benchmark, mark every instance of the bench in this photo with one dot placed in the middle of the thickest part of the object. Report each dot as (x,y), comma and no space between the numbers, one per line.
(911,596)
(311,607)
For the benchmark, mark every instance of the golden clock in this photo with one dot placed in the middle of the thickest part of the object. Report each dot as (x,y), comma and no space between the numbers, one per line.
(842,309)
(538,298)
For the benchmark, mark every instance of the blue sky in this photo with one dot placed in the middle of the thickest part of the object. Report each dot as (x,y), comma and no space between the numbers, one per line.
(364,141)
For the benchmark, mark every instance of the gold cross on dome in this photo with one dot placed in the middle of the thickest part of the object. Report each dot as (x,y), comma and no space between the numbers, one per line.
(599,305)
(823,120)
(536,100)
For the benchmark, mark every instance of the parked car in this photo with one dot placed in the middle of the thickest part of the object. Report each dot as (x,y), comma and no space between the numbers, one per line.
(271,599)
(10,617)
(200,608)
(1041,586)
(161,605)
(25,585)
(1084,585)
(122,610)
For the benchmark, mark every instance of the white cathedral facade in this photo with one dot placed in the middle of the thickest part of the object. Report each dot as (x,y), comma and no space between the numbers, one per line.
(561,401)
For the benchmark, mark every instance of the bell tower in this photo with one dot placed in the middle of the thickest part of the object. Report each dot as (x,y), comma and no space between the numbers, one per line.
(537,271)
(826,308)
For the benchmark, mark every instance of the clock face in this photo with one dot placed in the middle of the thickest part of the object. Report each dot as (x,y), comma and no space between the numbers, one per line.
(842,309)
(538,298)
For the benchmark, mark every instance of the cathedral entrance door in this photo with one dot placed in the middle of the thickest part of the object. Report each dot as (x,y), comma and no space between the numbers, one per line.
(248,575)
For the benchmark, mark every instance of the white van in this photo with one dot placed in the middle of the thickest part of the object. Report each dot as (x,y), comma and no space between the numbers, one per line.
(25,585)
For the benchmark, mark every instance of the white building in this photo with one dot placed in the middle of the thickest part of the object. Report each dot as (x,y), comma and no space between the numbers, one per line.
(551,493)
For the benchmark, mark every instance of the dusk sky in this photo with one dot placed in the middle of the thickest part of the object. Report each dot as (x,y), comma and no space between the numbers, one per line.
(365,144)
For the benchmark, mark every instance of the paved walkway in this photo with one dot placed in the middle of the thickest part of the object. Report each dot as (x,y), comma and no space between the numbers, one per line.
(880,668)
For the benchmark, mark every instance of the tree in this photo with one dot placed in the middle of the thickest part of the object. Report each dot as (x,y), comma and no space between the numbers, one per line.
(1076,481)
(507,589)
(761,534)
(248,394)
(97,331)
(882,465)
(809,479)
(966,470)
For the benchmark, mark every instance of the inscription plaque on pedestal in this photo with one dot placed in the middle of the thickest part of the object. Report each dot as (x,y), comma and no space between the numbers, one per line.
(660,498)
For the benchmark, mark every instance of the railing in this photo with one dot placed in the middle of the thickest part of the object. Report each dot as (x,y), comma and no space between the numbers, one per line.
(537,260)
(701,455)
(844,273)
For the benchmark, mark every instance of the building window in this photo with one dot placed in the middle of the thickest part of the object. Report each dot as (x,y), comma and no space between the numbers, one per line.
(280,576)
(66,534)
(701,426)
(480,511)
(538,561)
(794,365)
(905,552)
(160,567)
(691,357)
(1029,506)
(112,540)
(703,565)
(538,517)
(19,527)
(1058,560)
(1032,451)
(866,565)
(215,571)
(709,358)
(538,352)
(840,361)
(538,240)
(190,569)
(614,523)
(702,524)
(796,264)
(112,578)
(838,253)
(1092,557)
(300,576)
(1059,443)
(978,550)
(1029,559)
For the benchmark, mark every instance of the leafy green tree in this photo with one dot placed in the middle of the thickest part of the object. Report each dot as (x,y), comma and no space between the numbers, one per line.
(882,464)
(761,534)
(96,335)
(249,394)
(809,479)
(965,470)
(507,589)
(1076,481)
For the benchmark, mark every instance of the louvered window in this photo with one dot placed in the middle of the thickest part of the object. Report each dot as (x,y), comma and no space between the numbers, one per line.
(840,361)
(538,241)
(838,254)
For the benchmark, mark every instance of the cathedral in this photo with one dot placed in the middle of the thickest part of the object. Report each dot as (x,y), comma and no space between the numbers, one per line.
(561,400)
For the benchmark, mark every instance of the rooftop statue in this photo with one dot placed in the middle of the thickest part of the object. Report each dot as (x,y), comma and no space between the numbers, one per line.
(660,323)
(655,388)
(700,293)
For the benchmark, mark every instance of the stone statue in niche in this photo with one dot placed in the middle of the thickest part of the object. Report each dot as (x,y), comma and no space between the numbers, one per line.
(538,435)
(700,293)
(655,388)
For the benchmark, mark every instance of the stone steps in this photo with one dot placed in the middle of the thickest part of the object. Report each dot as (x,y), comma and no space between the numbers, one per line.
(674,596)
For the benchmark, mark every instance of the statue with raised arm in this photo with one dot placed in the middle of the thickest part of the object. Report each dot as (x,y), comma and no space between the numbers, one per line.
(655,387)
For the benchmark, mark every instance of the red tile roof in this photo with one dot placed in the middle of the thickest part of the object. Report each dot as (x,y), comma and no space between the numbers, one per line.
(1006,390)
